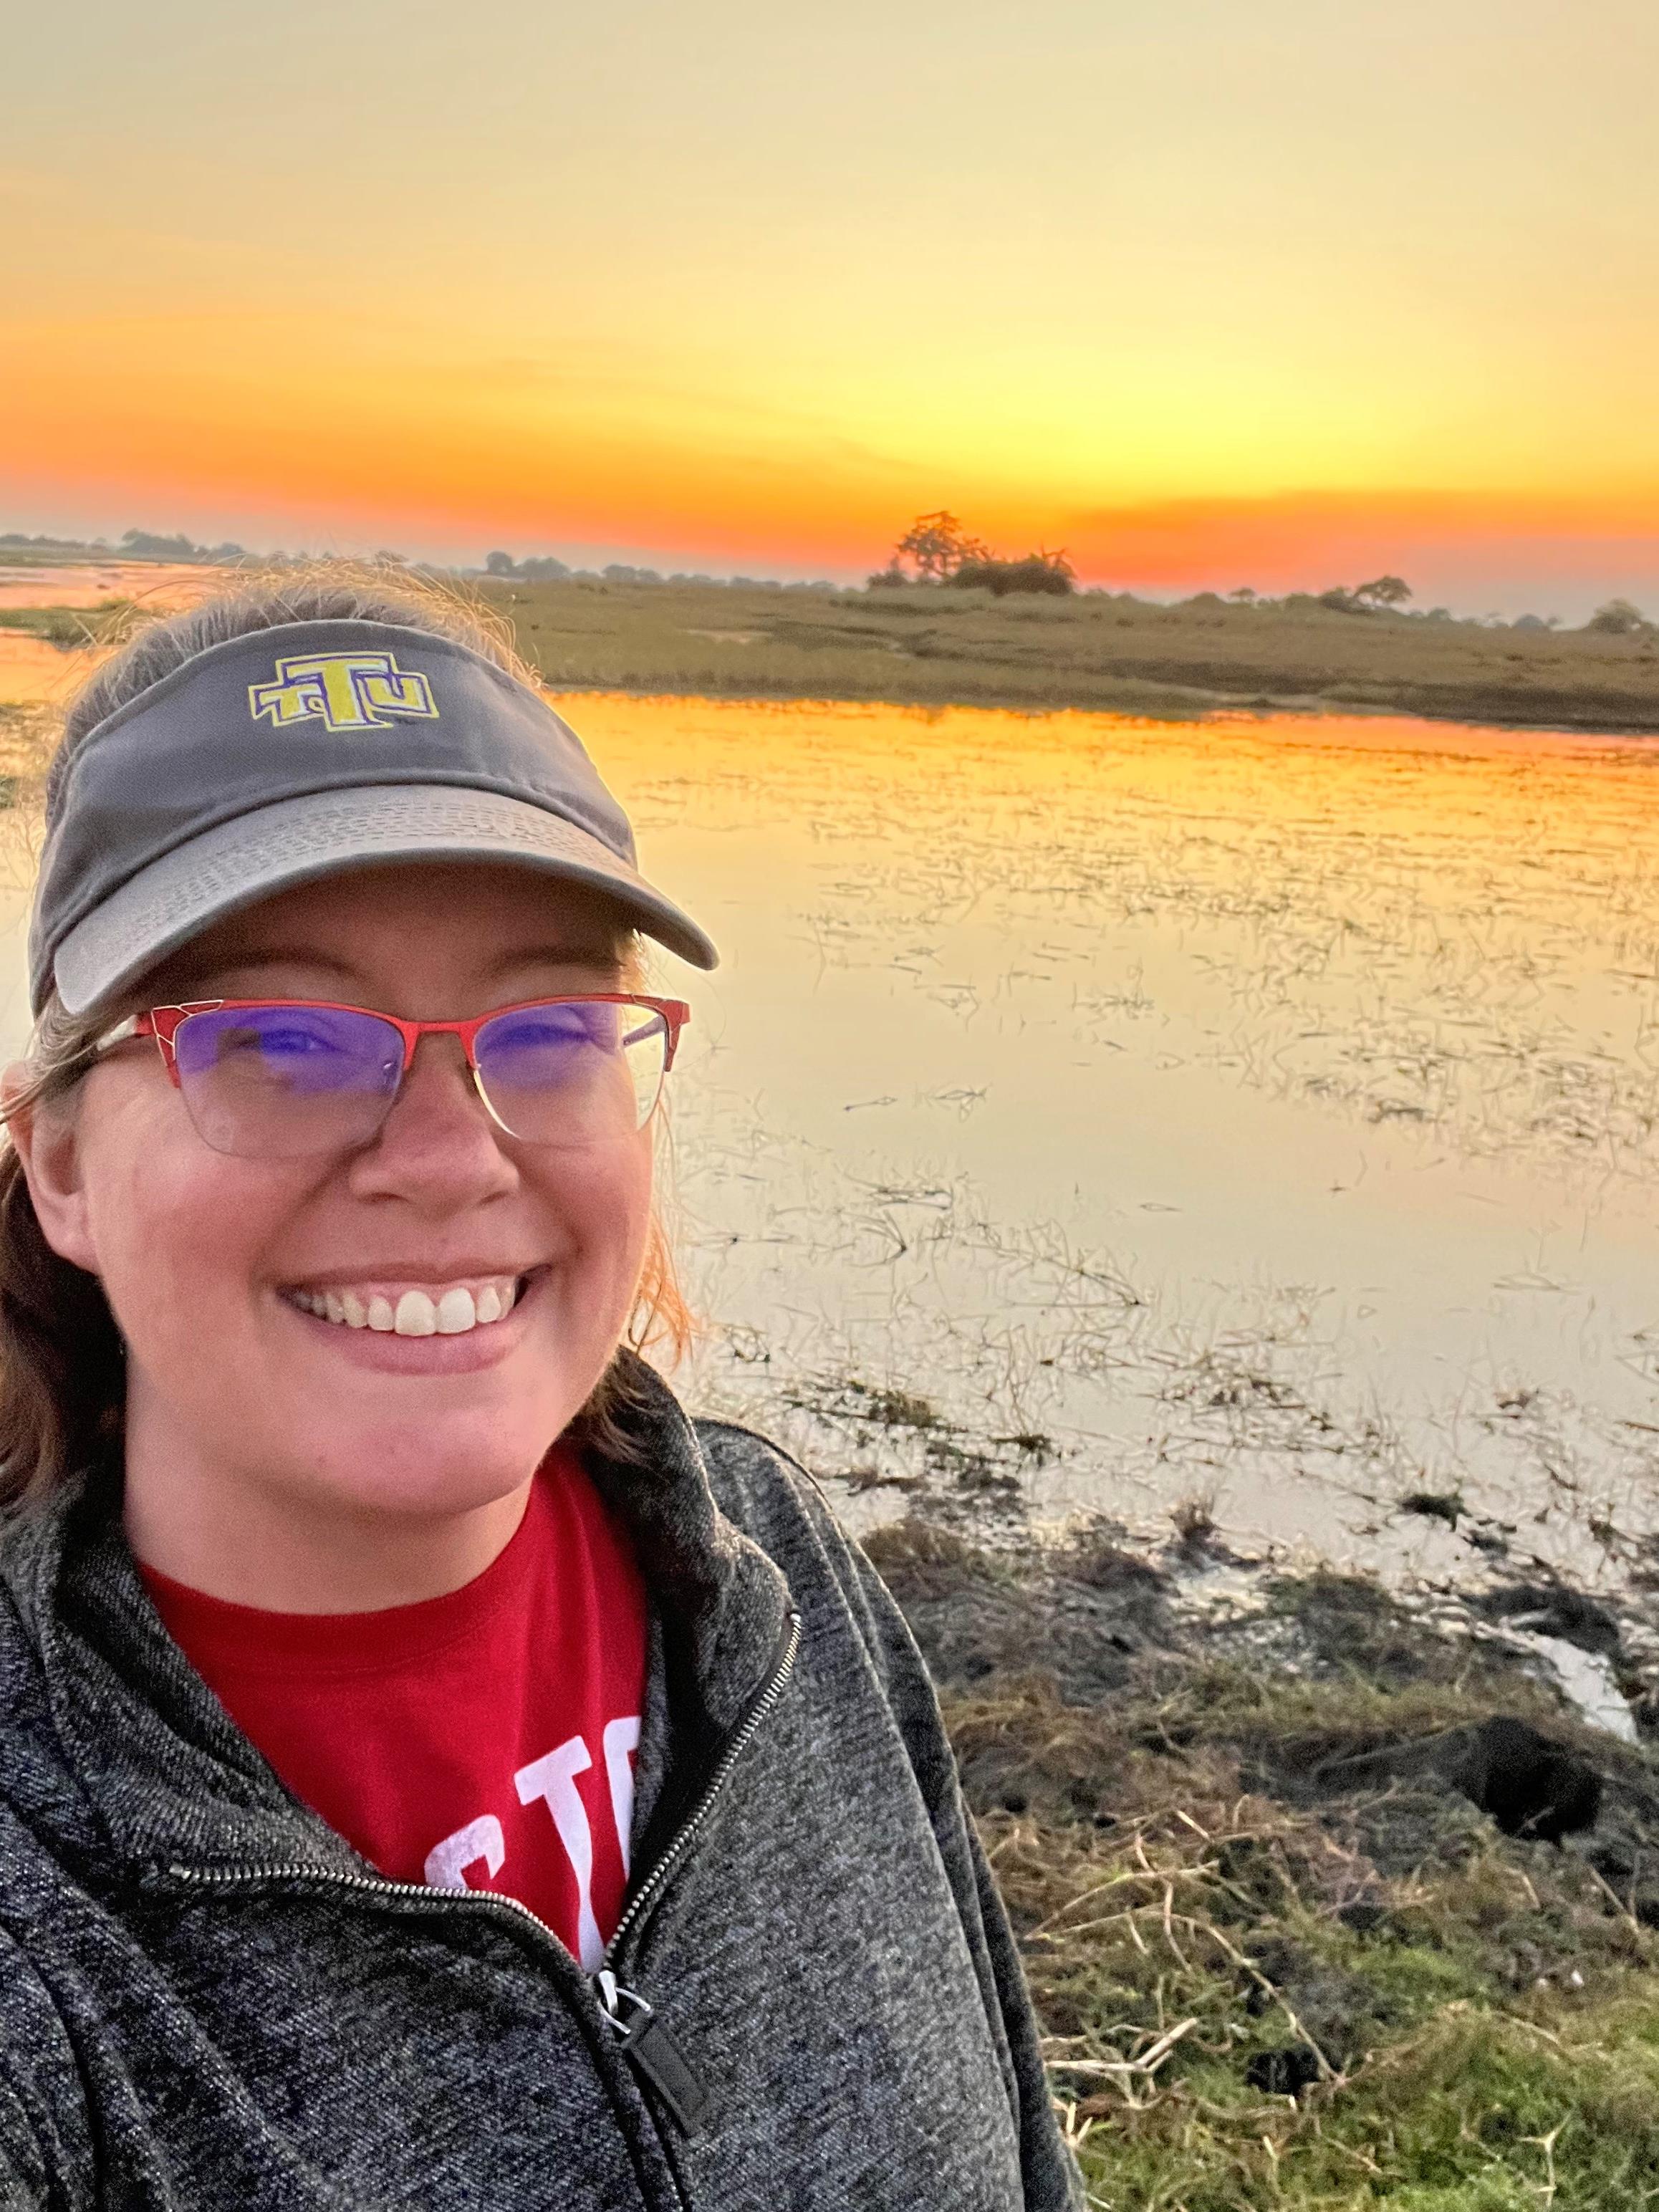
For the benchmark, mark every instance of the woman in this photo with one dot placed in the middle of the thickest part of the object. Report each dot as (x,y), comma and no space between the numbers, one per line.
(434,1772)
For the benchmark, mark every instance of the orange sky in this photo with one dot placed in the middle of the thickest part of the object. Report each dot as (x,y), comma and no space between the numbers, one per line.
(1273,295)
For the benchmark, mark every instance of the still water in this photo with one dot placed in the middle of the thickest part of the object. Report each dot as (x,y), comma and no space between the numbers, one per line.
(1092,1114)
(1260,1113)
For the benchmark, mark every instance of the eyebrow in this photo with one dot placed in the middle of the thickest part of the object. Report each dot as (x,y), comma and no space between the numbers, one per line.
(554,955)
(591,950)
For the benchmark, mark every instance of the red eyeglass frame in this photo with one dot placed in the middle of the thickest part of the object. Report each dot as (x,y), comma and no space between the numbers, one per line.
(164,1023)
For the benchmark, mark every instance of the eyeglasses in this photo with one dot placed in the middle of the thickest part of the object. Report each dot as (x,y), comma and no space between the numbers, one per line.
(284,1079)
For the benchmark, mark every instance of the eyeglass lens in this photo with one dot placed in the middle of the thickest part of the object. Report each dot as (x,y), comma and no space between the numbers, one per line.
(281,1082)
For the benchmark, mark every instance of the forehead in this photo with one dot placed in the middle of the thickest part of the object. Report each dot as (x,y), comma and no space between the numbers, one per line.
(450,917)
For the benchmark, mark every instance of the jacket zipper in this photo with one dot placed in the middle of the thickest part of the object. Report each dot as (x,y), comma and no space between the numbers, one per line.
(652,1885)
(644,2040)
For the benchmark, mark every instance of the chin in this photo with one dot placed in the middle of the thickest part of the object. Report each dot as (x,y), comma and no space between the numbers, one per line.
(424,1471)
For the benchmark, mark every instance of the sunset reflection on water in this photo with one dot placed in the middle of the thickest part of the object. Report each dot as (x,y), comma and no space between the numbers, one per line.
(1261,1108)
(1099,1113)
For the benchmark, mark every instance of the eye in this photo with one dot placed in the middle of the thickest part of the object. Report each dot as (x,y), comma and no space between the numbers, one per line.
(541,1029)
(295,1042)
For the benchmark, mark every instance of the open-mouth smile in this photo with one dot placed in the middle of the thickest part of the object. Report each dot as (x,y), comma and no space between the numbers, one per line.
(394,1309)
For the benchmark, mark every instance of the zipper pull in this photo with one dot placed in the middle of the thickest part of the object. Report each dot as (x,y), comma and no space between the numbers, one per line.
(652,2051)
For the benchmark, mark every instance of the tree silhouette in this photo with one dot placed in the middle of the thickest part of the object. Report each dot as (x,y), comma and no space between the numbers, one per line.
(937,545)
(1383,592)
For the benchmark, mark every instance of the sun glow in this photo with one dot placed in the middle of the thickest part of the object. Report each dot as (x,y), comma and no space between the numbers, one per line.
(1205,301)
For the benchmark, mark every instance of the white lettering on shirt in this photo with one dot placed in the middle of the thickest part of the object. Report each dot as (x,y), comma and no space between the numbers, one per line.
(553,1779)
(446,1863)
(622,1739)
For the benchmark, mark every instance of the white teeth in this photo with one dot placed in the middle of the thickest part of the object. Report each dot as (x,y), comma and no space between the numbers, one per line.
(416,1315)
(452,1312)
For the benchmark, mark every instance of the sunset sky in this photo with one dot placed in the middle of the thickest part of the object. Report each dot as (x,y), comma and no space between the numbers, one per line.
(1209,294)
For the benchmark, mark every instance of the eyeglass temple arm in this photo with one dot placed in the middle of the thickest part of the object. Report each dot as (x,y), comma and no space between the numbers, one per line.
(136,1025)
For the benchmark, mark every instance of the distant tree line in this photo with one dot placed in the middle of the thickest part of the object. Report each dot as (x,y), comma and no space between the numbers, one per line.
(134,545)
(543,568)
(936,549)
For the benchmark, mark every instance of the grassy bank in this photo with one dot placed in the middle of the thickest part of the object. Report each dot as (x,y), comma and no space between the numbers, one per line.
(935,648)
(926,646)
(69,627)
(1269,1979)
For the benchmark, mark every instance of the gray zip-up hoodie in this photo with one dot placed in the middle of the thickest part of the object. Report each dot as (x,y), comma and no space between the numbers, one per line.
(209,2003)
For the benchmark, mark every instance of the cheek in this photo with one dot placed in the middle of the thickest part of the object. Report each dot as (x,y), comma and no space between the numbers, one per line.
(176,1227)
(601,1205)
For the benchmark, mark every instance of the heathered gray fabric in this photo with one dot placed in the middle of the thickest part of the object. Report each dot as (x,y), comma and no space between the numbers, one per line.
(829,1954)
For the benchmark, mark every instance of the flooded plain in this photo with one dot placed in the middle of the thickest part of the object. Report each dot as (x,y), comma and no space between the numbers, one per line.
(1252,1120)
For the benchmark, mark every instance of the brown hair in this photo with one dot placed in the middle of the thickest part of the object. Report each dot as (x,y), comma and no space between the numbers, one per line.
(63,1382)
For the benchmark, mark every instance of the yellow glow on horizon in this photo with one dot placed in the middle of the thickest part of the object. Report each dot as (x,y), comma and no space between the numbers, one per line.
(733,289)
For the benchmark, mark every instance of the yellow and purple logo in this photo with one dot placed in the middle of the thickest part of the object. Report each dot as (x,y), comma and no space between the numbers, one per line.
(343,691)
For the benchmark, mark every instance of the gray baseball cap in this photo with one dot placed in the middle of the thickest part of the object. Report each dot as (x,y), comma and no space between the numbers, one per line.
(297,753)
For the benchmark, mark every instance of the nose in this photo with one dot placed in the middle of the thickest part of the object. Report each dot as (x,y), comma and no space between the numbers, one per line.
(438,1148)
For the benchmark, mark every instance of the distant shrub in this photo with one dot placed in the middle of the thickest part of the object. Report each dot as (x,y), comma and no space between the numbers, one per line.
(886,579)
(1619,618)
(1038,572)
(536,568)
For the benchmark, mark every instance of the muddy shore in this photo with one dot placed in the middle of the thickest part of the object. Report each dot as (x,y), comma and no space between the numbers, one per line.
(1329,1894)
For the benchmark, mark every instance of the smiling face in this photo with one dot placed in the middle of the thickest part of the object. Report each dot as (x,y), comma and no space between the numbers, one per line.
(284,1446)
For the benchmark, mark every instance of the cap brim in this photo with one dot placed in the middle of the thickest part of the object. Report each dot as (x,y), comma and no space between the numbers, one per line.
(322,834)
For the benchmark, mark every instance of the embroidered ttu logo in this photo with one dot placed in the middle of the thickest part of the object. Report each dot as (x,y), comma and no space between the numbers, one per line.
(343,691)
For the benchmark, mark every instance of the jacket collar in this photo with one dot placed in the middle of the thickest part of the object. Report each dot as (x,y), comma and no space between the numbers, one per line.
(139,1756)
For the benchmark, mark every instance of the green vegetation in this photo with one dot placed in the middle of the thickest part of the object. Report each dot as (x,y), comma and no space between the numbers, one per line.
(1261,1991)
(951,623)
(927,644)
(68,628)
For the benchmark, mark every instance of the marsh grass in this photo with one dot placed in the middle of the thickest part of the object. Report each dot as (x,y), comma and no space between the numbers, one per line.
(925,647)
(1257,1994)
(70,628)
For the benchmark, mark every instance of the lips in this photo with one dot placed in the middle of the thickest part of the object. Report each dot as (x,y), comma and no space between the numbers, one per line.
(391,1307)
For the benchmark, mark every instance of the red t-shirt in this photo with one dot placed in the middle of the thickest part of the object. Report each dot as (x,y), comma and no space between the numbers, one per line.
(484,1740)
